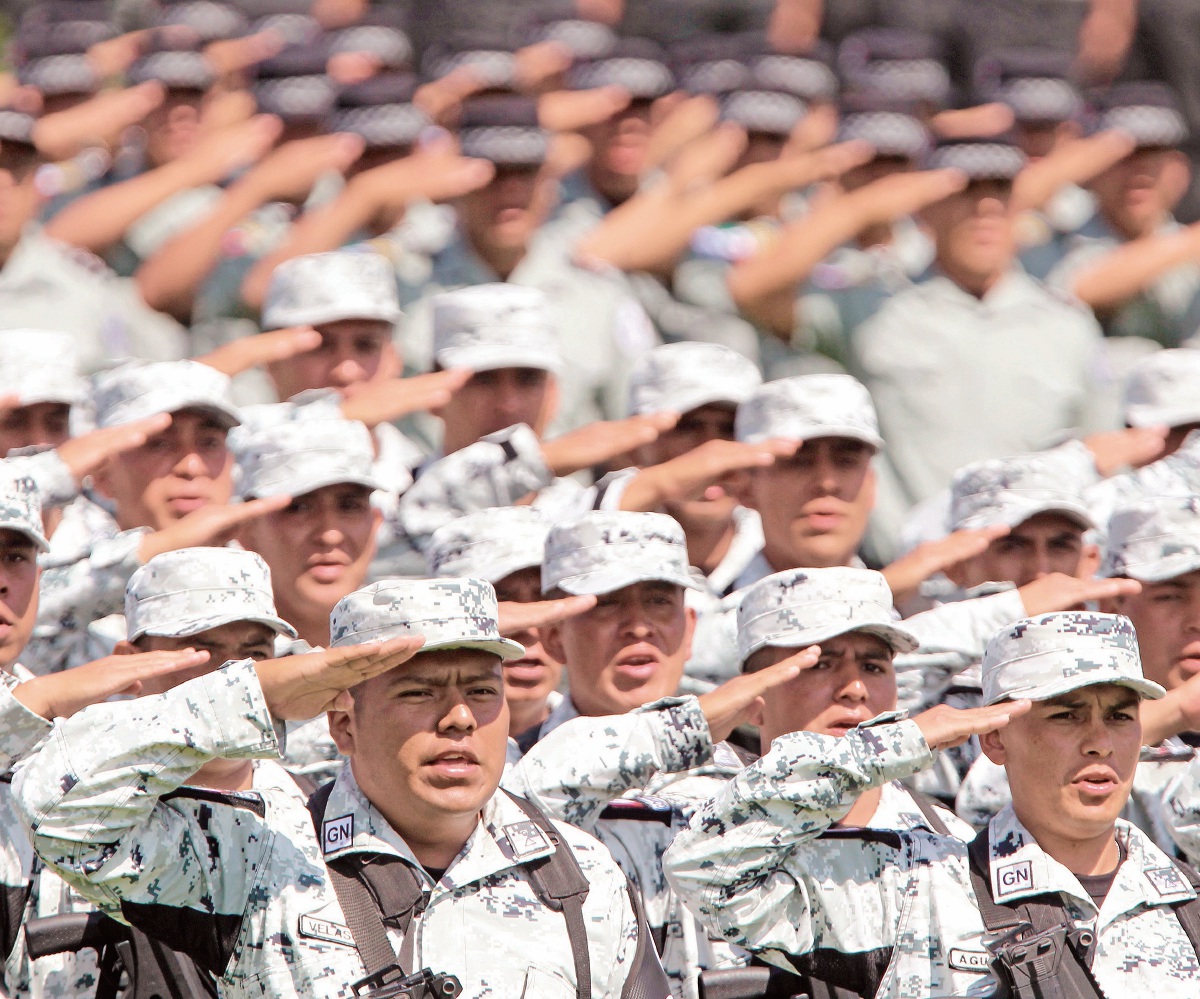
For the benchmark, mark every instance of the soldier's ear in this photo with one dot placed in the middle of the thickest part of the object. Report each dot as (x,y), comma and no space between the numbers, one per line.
(341,723)
(125,648)
(992,744)
(689,632)
(552,642)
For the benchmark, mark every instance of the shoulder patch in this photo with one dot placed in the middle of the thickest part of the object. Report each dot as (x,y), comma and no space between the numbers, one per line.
(337,834)
(1167,881)
(1013,878)
(526,840)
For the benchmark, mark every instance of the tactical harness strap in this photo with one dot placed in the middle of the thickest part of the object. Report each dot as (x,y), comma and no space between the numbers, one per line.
(557,881)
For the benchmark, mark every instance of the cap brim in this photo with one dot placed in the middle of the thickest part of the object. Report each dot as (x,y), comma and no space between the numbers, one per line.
(505,648)
(194,626)
(226,414)
(817,433)
(1161,569)
(686,402)
(311,483)
(1150,416)
(610,580)
(38,539)
(1016,514)
(1148,689)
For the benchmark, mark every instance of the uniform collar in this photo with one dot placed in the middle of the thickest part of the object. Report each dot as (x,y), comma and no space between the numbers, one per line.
(504,837)
(1012,288)
(1020,869)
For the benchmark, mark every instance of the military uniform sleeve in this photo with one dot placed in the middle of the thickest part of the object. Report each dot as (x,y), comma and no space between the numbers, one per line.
(95,799)
(20,728)
(1181,811)
(55,482)
(730,866)
(585,763)
(498,470)
(75,594)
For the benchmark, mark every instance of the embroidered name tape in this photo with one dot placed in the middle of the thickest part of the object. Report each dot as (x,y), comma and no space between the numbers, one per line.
(526,840)
(1013,878)
(337,834)
(323,929)
(970,960)
(1167,881)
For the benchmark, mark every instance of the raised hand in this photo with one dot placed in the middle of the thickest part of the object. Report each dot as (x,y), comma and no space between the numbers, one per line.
(392,398)
(1060,592)
(214,524)
(909,571)
(740,700)
(516,618)
(602,441)
(1132,447)
(694,474)
(60,695)
(945,727)
(299,687)
(86,453)
(249,352)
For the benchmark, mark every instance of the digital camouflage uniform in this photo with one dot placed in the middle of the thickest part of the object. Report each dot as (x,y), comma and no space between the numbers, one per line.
(265,919)
(896,915)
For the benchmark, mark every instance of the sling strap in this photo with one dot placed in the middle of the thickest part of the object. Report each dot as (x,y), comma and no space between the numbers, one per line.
(557,880)
(929,809)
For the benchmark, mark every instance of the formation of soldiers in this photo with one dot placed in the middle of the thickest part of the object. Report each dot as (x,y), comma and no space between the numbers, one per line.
(600,507)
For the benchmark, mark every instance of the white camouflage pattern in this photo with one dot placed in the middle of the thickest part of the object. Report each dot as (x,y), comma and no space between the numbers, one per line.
(1155,539)
(809,406)
(299,456)
(491,326)
(1009,491)
(684,376)
(136,391)
(318,288)
(489,544)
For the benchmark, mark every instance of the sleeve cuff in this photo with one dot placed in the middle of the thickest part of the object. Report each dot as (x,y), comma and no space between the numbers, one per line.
(244,726)
(684,738)
(23,729)
(521,445)
(889,749)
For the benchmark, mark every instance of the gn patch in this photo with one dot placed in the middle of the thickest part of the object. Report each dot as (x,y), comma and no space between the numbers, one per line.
(1013,878)
(970,960)
(526,840)
(336,834)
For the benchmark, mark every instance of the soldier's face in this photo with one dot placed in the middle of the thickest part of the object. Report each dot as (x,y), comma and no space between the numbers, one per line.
(1045,543)
(494,400)
(529,680)
(19,576)
(697,426)
(225,643)
(619,146)
(504,214)
(851,683)
(353,352)
(180,470)
(41,424)
(173,128)
(318,548)
(973,230)
(815,504)
(427,742)
(1135,194)
(1166,617)
(1070,761)
(626,651)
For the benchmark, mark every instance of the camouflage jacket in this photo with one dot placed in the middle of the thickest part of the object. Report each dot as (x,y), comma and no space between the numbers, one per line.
(659,764)
(889,910)
(238,880)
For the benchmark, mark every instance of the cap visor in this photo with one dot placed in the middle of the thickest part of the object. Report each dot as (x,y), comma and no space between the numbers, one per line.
(311,483)
(897,639)
(194,626)
(493,360)
(505,648)
(1162,569)
(328,314)
(38,539)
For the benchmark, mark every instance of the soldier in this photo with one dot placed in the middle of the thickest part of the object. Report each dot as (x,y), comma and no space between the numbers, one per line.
(504,546)
(1156,542)
(1062,693)
(1131,262)
(169,492)
(1019,332)
(1161,392)
(293,907)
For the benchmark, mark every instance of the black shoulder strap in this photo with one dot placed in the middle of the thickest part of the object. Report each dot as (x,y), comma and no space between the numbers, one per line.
(930,810)
(560,884)
(358,905)
(1188,913)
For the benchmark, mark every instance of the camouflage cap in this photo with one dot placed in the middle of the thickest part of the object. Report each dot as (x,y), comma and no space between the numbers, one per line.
(1163,389)
(450,613)
(801,607)
(809,406)
(605,551)
(40,366)
(1154,539)
(489,326)
(1011,490)
(184,592)
(21,507)
(488,544)
(135,391)
(1049,655)
(687,375)
(324,287)
(296,457)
